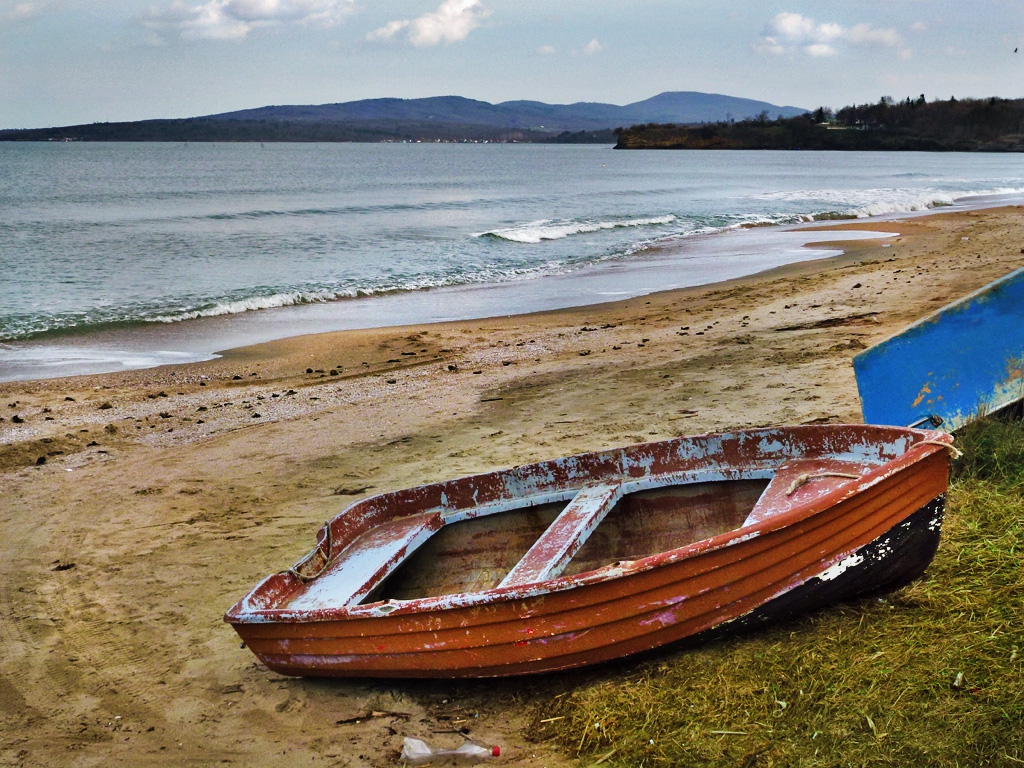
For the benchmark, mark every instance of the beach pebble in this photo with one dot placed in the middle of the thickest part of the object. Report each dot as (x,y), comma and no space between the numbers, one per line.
(17,419)
(69,399)
(40,461)
(106,406)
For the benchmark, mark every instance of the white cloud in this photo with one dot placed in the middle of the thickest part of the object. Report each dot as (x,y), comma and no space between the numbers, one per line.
(791,25)
(547,50)
(450,23)
(23,11)
(235,19)
(388,31)
(820,49)
(592,47)
(793,32)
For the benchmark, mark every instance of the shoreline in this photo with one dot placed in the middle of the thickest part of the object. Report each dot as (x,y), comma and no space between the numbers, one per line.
(139,505)
(675,264)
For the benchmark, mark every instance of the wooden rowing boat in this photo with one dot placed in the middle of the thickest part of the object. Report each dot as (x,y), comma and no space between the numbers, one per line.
(597,556)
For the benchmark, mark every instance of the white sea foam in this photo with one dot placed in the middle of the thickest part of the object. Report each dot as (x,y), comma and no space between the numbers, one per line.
(866,203)
(287,299)
(547,229)
(486,274)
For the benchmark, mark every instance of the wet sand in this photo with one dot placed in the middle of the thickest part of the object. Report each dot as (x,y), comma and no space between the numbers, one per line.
(137,507)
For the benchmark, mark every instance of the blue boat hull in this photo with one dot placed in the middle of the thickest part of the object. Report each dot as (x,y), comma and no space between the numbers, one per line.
(957,364)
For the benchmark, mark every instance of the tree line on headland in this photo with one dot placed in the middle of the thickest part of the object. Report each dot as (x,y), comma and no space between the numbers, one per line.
(954,125)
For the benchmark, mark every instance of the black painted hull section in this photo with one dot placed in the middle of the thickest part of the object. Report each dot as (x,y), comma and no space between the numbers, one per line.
(893,560)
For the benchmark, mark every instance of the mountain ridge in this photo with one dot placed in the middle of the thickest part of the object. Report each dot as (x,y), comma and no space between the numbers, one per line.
(669,106)
(436,118)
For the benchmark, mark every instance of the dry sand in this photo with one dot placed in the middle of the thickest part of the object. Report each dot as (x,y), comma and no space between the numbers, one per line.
(135,508)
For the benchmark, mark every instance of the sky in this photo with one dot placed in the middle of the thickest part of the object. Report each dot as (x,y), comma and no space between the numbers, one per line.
(66,62)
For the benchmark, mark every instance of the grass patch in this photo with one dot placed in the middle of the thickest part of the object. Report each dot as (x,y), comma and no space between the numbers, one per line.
(931,675)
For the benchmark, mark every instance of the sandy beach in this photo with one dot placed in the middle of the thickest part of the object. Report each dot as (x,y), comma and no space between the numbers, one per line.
(137,507)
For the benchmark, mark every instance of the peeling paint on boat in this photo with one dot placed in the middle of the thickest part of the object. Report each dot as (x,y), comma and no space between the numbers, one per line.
(862,482)
(839,568)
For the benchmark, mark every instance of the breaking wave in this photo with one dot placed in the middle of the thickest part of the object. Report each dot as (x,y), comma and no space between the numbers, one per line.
(548,229)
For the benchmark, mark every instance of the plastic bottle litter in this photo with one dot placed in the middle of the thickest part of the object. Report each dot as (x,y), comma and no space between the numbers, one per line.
(418,752)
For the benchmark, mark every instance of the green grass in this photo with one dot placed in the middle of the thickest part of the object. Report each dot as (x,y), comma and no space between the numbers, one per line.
(932,675)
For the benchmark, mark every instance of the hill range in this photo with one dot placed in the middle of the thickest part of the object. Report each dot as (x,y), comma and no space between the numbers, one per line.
(444,118)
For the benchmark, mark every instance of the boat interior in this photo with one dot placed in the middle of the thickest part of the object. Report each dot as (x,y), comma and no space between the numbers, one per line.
(487,552)
(529,540)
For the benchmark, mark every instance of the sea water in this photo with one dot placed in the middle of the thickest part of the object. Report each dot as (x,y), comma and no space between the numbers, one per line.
(143,241)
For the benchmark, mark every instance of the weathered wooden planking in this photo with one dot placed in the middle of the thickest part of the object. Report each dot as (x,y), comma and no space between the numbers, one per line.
(964,360)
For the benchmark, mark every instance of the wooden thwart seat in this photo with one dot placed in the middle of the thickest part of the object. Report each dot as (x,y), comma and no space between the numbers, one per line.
(798,480)
(551,553)
(368,560)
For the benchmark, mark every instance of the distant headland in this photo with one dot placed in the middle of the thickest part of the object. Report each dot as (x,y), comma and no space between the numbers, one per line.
(964,125)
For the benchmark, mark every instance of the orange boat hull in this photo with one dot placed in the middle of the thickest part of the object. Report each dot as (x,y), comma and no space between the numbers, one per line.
(865,536)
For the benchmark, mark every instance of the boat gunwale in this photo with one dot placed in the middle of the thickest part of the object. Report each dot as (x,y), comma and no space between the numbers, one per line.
(929,443)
